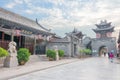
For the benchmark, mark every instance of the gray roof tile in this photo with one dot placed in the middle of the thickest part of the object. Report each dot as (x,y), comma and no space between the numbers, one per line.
(7,15)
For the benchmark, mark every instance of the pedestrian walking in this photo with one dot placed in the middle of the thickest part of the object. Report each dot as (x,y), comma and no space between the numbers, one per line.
(104,54)
(108,55)
(111,56)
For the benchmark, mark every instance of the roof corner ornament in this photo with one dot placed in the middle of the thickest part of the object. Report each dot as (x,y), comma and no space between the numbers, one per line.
(105,21)
(101,21)
(36,21)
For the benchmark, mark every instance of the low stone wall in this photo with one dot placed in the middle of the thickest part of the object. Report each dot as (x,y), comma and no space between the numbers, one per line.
(62,46)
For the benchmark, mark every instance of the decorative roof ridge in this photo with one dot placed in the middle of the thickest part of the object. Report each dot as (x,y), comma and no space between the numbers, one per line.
(103,23)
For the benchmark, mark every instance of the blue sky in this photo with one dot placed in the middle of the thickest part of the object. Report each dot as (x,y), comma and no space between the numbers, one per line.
(63,15)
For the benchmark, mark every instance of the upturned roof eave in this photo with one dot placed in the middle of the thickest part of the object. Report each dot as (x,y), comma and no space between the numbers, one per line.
(98,25)
(34,30)
(103,29)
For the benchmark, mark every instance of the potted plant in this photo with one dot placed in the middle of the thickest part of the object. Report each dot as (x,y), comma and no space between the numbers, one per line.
(51,54)
(23,55)
(60,53)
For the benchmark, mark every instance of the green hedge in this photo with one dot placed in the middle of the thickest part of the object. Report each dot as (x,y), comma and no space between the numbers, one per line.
(86,51)
(3,52)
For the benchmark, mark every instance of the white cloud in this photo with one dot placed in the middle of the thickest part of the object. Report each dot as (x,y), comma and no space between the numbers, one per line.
(14,3)
(73,13)
(85,15)
(29,11)
(10,5)
(19,1)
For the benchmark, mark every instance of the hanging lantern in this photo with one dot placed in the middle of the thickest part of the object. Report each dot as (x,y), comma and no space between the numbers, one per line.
(17,33)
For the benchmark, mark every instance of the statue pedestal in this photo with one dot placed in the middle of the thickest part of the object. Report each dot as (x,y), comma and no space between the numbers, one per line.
(56,50)
(11,61)
(57,55)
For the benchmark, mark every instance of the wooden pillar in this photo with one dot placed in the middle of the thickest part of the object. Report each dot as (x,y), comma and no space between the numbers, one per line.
(12,35)
(19,41)
(34,45)
(3,36)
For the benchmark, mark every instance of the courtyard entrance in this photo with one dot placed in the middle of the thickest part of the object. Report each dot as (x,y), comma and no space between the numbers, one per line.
(103,51)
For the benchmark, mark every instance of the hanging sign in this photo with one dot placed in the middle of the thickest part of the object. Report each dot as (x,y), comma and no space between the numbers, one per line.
(26,32)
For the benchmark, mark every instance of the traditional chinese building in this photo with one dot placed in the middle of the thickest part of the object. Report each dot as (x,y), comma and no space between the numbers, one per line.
(70,43)
(104,42)
(25,32)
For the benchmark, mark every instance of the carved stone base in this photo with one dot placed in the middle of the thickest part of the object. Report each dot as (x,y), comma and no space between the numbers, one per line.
(11,61)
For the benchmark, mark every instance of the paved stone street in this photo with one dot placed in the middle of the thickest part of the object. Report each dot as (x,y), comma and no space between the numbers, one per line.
(88,69)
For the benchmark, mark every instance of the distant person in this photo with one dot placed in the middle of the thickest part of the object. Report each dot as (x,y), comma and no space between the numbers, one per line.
(108,55)
(104,53)
(111,56)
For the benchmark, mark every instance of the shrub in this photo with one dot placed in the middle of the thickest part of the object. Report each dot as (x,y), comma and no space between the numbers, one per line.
(3,52)
(60,53)
(82,51)
(86,51)
(23,55)
(51,54)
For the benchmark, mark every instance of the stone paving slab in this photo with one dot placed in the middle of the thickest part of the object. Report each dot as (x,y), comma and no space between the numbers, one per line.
(95,68)
(6,73)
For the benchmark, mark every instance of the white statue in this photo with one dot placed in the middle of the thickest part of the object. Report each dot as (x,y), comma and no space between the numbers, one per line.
(12,47)
(11,60)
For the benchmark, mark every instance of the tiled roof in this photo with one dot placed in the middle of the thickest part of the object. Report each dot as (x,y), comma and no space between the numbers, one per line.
(13,17)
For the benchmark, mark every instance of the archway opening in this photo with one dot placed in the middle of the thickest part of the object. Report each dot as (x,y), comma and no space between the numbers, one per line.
(103,51)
